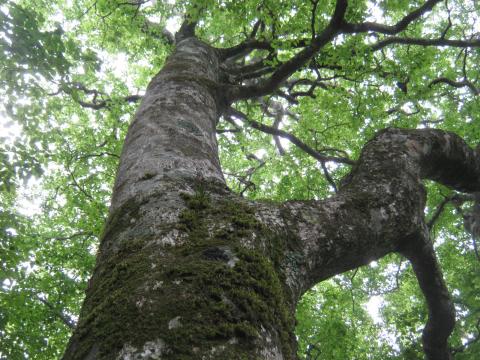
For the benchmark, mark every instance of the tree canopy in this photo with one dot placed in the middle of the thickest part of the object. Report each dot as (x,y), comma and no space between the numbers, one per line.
(313,92)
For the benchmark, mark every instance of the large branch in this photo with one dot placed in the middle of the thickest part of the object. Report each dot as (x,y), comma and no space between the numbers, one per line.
(244,47)
(378,210)
(296,62)
(441,312)
(391,29)
(336,25)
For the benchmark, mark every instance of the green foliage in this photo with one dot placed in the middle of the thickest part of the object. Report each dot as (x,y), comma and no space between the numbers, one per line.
(58,159)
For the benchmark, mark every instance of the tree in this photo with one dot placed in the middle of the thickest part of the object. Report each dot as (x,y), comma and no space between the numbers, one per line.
(186,267)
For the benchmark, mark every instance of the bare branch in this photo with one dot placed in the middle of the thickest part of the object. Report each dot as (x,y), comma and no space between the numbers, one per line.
(107,103)
(425,42)
(295,63)
(58,313)
(390,29)
(465,346)
(292,138)
(244,48)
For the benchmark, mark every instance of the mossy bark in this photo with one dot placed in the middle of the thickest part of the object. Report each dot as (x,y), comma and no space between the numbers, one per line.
(188,270)
(212,292)
(184,270)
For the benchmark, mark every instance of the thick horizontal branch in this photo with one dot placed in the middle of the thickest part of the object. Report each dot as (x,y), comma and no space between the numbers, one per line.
(379,209)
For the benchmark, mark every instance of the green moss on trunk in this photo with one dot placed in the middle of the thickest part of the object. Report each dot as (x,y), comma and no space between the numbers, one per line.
(221,287)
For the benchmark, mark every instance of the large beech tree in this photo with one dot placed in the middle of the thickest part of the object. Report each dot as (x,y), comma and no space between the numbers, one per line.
(343,108)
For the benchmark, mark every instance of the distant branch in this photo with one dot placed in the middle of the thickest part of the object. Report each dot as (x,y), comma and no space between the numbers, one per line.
(470,342)
(187,29)
(296,62)
(292,138)
(246,179)
(456,84)
(329,178)
(456,199)
(161,33)
(58,313)
(69,237)
(313,17)
(95,103)
(425,42)
(390,29)
(246,46)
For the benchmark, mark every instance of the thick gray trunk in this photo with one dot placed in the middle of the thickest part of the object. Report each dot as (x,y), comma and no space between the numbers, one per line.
(171,141)
(187,270)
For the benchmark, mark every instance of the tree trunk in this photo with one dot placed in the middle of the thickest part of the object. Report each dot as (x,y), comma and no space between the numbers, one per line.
(179,273)
(188,270)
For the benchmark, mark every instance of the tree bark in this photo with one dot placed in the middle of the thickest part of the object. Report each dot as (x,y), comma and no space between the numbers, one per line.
(188,270)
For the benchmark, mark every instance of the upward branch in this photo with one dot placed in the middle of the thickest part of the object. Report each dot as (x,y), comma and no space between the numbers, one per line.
(390,29)
(285,70)
(337,25)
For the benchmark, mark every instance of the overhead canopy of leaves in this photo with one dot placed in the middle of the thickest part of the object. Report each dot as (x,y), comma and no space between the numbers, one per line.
(71,73)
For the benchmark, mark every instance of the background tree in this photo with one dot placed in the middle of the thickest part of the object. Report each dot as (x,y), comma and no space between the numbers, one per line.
(301,87)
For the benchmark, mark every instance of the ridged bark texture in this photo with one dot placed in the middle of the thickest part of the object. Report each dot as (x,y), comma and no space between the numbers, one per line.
(188,270)
(184,270)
